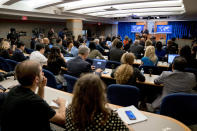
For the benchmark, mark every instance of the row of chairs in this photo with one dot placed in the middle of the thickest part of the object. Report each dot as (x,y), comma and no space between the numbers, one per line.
(117,94)
(7,64)
(180,106)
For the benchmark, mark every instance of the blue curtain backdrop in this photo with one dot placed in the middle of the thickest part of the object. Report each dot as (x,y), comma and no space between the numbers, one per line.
(180,29)
(124,28)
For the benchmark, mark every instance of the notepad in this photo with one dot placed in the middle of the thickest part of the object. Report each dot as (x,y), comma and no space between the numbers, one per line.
(139,116)
(53,104)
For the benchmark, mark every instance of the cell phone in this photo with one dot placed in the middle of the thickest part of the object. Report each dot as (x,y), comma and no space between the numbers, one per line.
(2,88)
(105,72)
(130,115)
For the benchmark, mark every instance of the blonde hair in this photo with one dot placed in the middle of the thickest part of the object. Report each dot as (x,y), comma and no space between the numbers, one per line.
(5,45)
(148,43)
(127,58)
(150,52)
(123,73)
(114,42)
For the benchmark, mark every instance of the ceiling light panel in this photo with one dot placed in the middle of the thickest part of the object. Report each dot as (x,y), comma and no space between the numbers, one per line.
(131,6)
(143,14)
(180,9)
(90,3)
(158,13)
(35,3)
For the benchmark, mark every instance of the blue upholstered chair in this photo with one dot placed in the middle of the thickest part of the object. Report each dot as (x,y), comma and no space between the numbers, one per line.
(28,50)
(151,69)
(123,95)
(4,65)
(51,81)
(112,64)
(70,82)
(180,106)
(11,64)
(89,60)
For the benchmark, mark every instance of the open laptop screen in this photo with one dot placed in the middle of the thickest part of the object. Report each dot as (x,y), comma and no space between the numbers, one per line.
(68,58)
(98,63)
(171,57)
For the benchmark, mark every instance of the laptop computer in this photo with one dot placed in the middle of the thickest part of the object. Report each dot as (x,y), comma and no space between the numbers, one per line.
(109,43)
(171,57)
(98,63)
(68,58)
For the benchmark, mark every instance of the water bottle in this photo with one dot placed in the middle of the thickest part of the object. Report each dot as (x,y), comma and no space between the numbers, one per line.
(142,71)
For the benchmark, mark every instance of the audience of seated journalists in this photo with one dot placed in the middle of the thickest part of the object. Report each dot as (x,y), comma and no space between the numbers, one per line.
(23,109)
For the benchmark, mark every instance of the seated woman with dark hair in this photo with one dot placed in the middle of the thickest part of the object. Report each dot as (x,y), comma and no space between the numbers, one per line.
(94,53)
(187,54)
(89,110)
(159,51)
(126,73)
(4,50)
(55,63)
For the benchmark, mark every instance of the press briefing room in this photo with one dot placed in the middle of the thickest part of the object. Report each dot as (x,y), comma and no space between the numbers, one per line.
(98,65)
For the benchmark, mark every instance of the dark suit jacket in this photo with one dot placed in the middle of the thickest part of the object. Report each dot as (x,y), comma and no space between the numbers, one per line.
(4,53)
(63,51)
(137,50)
(77,66)
(100,48)
(116,54)
(18,56)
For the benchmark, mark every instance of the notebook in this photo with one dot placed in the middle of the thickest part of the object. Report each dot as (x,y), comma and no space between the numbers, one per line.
(98,63)
(171,57)
(138,115)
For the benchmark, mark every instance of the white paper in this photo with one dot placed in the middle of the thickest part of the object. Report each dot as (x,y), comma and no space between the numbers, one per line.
(53,104)
(139,116)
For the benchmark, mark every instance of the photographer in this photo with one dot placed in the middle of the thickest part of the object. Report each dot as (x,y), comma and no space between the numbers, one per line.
(13,36)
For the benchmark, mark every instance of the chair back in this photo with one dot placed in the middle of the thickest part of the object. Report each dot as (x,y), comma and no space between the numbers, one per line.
(71,80)
(51,81)
(192,70)
(180,106)
(151,69)
(11,64)
(112,64)
(4,65)
(89,61)
(123,95)
(28,50)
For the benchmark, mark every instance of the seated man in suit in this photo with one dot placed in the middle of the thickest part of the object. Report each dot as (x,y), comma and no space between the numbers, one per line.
(99,47)
(116,53)
(59,44)
(18,53)
(78,65)
(176,81)
(23,109)
(137,49)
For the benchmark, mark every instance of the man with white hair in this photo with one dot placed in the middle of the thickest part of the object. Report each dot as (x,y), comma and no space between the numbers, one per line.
(137,49)
(99,47)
